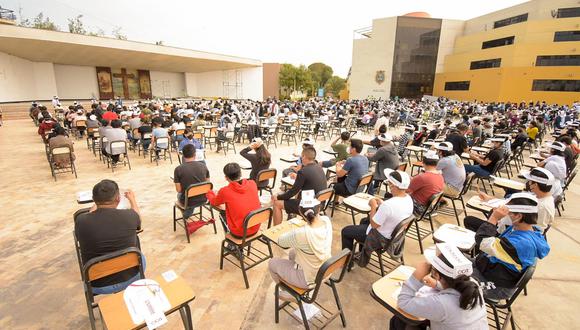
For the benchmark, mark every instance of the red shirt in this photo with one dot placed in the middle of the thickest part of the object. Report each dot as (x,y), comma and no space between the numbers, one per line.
(240,198)
(425,185)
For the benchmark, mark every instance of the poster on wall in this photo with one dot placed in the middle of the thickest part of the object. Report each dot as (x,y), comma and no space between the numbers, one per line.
(145,84)
(105,83)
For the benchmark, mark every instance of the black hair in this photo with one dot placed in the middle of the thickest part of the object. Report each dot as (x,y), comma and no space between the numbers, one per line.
(309,213)
(309,153)
(116,123)
(396,175)
(357,145)
(461,127)
(477,121)
(566,139)
(430,162)
(529,218)
(447,153)
(344,136)
(59,130)
(543,187)
(383,129)
(556,152)
(470,295)
(188,151)
(105,191)
(232,171)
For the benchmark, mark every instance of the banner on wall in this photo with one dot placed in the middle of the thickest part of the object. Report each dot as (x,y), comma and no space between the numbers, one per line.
(105,82)
(128,84)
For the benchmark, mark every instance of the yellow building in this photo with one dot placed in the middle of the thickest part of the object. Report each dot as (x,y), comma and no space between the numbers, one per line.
(528,52)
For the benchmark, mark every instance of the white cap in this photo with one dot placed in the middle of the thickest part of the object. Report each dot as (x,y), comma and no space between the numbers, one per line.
(540,175)
(445,146)
(410,128)
(93,117)
(460,265)
(308,141)
(497,140)
(385,137)
(558,146)
(308,199)
(520,208)
(431,154)
(405,179)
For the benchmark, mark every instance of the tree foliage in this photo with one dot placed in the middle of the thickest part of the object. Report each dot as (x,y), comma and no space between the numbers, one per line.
(76,25)
(117,33)
(294,78)
(335,84)
(309,79)
(39,22)
(320,73)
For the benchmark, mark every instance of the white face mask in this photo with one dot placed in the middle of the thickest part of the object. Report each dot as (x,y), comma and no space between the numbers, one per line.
(439,286)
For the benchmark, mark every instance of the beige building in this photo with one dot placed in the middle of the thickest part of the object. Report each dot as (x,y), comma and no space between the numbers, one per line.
(39,64)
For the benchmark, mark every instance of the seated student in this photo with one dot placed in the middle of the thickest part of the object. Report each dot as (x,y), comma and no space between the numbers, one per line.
(420,136)
(386,157)
(451,168)
(143,129)
(556,164)
(506,254)
(227,127)
(434,133)
(188,139)
(476,132)
(442,291)
(60,139)
(349,172)
(539,183)
(484,165)
(311,247)
(307,143)
(375,142)
(260,159)
(520,139)
(106,229)
(458,140)
(404,140)
(190,172)
(159,132)
(47,124)
(116,133)
(532,131)
(568,152)
(339,148)
(240,197)
(309,177)
(426,184)
(384,215)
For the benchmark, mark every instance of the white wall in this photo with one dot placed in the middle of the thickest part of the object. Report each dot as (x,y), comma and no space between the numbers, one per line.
(168,84)
(450,30)
(244,83)
(76,82)
(23,80)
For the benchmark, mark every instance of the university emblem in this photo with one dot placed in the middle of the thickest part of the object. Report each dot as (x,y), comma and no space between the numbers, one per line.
(380,77)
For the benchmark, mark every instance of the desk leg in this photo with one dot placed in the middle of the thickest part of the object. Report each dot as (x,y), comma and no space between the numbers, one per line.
(186,317)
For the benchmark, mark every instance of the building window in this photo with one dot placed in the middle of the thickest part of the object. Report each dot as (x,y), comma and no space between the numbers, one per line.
(558,60)
(484,64)
(547,85)
(568,12)
(567,36)
(510,21)
(457,86)
(498,42)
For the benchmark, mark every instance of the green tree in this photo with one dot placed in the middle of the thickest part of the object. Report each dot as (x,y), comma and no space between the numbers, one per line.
(39,22)
(76,25)
(320,73)
(294,78)
(334,85)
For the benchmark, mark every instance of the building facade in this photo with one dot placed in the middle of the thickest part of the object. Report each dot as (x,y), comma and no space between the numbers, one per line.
(528,52)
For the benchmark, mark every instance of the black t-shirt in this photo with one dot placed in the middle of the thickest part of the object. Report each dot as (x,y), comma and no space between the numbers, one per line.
(494,155)
(104,231)
(187,174)
(145,129)
(309,177)
(458,141)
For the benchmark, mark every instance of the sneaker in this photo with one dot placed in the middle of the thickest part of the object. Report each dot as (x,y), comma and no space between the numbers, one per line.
(193,226)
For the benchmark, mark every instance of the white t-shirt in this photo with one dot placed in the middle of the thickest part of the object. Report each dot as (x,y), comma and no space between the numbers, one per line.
(557,166)
(546,211)
(390,213)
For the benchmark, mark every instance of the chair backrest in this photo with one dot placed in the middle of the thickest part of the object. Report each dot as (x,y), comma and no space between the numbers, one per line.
(397,241)
(198,135)
(498,166)
(64,150)
(146,135)
(570,178)
(520,286)
(179,132)
(431,206)
(81,123)
(162,141)
(112,263)
(329,267)
(365,180)
(324,195)
(118,147)
(267,174)
(197,189)
(467,183)
(257,217)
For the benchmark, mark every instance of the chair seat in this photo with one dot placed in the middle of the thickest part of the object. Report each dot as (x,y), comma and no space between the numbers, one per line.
(297,290)
(179,205)
(238,241)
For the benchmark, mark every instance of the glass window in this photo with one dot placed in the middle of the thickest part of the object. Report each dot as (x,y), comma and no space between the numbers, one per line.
(498,42)
(547,85)
(484,64)
(510,21)
(568,12)
(567,36)
(415,56)
(457,86)
(558,60)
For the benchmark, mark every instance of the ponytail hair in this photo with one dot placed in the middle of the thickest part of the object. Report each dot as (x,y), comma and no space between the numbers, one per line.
(310,213)
(470,293)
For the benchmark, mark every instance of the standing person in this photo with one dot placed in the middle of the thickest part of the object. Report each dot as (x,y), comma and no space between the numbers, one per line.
(190,172)
(106,229)
(349,172)
(451,168)
(311,247)
(309,177)
(386,157)
(384,215)
(454,301)
(484,165)
(423,186)
(240,197)
(260,160)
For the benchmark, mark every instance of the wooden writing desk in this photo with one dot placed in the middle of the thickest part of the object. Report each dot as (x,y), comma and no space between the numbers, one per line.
(273,233)
(509,184)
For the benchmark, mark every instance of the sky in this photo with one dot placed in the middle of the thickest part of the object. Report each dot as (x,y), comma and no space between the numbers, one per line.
(297,32)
